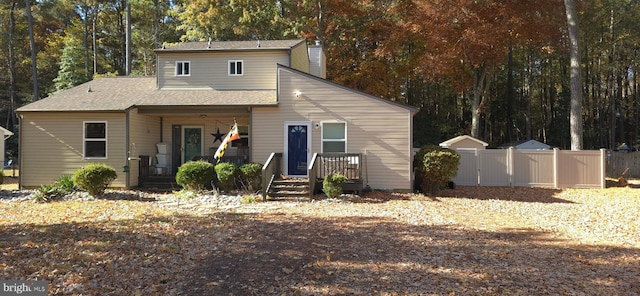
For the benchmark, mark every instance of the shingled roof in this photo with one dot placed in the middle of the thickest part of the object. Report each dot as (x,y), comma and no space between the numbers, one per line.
(120,93)
(232,45)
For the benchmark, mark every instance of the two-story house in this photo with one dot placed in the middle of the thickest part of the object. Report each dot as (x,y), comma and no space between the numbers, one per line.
(275,90)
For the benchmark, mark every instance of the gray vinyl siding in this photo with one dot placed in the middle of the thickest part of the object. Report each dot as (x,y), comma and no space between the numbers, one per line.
(300,58)
(317,64)
(144,134)
(378,129)
(209,70)
(52,145)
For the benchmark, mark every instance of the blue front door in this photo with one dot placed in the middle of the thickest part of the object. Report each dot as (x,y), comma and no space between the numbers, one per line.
(297,136)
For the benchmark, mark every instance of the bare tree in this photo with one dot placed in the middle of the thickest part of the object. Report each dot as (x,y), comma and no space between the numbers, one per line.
(576,76)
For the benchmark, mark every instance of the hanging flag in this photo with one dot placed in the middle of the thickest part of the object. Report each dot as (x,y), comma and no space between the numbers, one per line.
(231,136)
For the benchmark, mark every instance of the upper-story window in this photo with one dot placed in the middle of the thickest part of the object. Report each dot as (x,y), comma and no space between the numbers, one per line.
(183,68)
(95,139)
(235,68)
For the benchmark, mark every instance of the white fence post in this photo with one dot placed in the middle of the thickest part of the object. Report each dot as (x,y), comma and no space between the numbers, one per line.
(603,168)
(555,168)
(510,168)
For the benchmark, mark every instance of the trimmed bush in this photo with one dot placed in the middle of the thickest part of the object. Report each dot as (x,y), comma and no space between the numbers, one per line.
(94,178)
(435,166)
(227,173)
(332,185)
(195,175)
(252,176)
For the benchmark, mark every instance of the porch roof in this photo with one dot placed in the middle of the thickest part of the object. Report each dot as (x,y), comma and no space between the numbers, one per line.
(121,93)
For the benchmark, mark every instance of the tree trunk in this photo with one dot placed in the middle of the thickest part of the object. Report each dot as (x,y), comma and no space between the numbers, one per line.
(12,67)
(94,20)
(32,43)
(510,97)
(128,39)
(575,118)
(85,42)
(477,104)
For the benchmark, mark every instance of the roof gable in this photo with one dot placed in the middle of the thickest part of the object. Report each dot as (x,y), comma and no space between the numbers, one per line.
(457,139)
(6,132)
(412,109)
(526,144)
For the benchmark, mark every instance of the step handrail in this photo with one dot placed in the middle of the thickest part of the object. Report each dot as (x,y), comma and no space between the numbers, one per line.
(312,173)
(270,170)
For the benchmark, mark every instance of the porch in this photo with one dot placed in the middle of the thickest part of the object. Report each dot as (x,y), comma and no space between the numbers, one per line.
(151,176)
(322,164)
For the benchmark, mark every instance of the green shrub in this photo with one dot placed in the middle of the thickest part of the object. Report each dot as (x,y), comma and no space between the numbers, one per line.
(195,175)
(249,199)
(227,173)
(94,178)
(185,194)
(65,183)
(332,185)
(1,176)
(58,190)
(252,176)
(435,166)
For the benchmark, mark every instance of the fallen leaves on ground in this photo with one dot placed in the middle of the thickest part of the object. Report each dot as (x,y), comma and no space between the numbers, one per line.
(468,240)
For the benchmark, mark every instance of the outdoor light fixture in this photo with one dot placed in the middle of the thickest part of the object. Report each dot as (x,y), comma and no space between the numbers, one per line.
(297,93)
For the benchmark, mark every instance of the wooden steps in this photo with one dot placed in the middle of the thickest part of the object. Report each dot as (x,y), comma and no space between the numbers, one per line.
(289,188)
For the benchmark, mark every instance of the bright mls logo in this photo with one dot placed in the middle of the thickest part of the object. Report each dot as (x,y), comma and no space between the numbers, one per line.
(23,288)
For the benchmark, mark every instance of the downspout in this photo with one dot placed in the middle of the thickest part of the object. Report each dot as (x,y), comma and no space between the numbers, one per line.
(250,133)
(127,167)
(20,151)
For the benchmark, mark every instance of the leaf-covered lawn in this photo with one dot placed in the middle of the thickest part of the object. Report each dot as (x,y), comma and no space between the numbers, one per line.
(469,240)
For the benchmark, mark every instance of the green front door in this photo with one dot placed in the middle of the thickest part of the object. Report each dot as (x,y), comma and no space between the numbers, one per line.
(192,143)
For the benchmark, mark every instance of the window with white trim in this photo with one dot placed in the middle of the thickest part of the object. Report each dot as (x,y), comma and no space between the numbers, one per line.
(236,68)
(183,68)
(334,137)
(95,139)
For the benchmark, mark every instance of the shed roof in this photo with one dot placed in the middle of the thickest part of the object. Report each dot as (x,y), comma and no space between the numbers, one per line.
(452,141)
(6,132)
(526,144)
(120,93)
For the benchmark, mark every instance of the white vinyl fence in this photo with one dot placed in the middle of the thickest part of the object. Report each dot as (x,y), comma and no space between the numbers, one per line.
(532,168)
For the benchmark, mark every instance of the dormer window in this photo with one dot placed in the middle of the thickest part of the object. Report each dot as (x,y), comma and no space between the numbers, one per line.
(235,68)
(183,68)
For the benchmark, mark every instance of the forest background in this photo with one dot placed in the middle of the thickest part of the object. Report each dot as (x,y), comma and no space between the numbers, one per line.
(503,63)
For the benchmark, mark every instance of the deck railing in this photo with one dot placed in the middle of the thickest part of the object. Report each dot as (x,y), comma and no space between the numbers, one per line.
(271,169)
(347,164)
